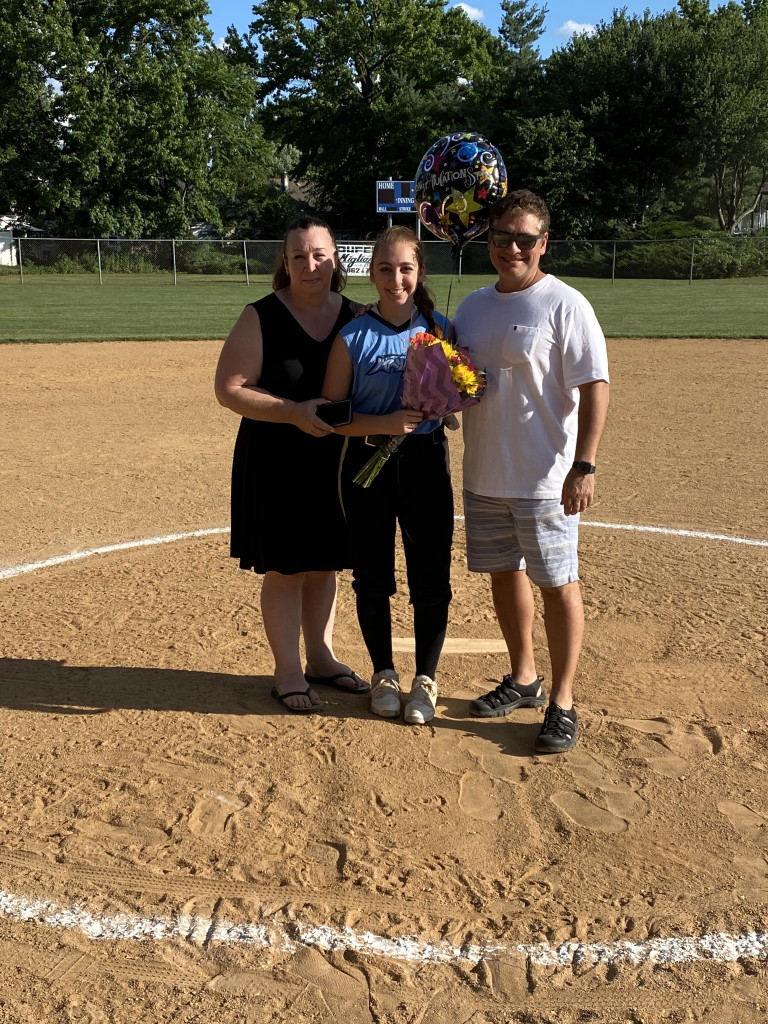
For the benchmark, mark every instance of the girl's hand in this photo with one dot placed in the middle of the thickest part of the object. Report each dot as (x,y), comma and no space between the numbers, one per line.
(303,417)
(404,421)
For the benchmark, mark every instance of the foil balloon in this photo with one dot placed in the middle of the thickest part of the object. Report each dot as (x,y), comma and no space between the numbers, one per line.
(459,179)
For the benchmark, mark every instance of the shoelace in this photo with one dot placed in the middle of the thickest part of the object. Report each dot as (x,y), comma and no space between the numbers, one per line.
(557,721)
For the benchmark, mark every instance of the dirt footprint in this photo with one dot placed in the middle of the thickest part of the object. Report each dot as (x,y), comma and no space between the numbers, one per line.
(611,807)
(501,766)
(343,991)
(752,825)
(476,797)
(754,870)
(447,753)
(670,748)
(583,812)
(213,814)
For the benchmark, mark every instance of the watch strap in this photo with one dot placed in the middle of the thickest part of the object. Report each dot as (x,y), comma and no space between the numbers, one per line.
(584,467)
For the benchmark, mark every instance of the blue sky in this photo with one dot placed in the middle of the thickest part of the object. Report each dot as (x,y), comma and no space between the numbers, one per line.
(564,17)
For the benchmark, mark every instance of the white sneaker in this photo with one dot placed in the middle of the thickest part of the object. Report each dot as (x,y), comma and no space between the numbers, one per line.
(420,708)
(385,693)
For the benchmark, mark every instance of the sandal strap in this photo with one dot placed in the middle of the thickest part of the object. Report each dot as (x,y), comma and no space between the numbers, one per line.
(510,692)
(559,722)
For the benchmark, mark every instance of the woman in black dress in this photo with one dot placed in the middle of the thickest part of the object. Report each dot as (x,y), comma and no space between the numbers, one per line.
(287,521)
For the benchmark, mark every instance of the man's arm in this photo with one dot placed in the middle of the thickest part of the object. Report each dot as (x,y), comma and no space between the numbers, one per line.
(579,488)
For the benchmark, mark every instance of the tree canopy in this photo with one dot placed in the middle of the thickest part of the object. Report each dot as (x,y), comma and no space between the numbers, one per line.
(363,84)
(125,119)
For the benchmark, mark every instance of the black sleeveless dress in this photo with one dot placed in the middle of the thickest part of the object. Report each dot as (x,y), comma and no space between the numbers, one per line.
(286,512)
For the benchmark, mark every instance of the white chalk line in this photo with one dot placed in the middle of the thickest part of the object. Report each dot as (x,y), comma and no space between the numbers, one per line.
(170,538)
(679,533)
(48,563)
(720,946)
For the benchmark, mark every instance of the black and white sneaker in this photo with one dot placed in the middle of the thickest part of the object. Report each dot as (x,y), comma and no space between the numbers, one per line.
(559,731)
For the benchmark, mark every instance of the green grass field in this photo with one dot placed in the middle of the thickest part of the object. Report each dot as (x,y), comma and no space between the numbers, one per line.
(59,308)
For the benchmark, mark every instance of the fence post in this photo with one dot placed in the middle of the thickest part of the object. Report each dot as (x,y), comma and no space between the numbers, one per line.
(693,251)
(245,258)
(98,257)
(173,250)
(459,265)
(21,265)
(613,265)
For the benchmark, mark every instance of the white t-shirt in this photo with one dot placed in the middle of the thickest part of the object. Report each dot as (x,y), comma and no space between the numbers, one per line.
(536,347)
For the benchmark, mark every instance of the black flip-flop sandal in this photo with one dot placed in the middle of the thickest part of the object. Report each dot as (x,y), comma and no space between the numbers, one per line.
(295,693)
(332,681)
(507,697)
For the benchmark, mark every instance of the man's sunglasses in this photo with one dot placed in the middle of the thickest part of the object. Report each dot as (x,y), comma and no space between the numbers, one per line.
(503,239)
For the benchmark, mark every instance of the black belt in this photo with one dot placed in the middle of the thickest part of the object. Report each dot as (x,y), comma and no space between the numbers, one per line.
(433,437)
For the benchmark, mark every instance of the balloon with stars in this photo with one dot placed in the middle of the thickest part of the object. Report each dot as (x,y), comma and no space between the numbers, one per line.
(459,179)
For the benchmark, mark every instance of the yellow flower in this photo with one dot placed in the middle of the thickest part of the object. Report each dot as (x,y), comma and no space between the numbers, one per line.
(465,379)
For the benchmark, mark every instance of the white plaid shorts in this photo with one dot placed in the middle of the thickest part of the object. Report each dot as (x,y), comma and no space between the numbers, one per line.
(534,534)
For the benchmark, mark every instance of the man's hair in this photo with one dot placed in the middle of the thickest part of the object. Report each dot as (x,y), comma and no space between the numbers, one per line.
(522,200)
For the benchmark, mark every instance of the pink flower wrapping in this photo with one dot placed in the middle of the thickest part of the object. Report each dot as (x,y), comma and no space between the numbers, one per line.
(439,379)
(428,383)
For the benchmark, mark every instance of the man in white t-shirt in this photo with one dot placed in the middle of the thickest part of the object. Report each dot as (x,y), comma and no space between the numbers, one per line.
(530,449)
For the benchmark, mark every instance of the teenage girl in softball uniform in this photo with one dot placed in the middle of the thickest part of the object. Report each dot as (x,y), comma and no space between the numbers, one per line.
(413,488)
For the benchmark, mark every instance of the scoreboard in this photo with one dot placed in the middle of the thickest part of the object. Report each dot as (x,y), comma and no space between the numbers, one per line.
(395,197)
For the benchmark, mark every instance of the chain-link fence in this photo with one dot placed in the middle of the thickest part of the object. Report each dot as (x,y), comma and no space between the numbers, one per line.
(106,259)
(671,259)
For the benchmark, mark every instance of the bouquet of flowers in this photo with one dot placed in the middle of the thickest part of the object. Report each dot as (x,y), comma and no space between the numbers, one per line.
(439,379)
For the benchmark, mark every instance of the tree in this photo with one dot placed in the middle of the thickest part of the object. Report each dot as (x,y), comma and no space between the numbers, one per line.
(555,159)
(726,88)
(145,108)
(128,121)
(28,130)
(670,101)
(520,27)
(242,194)
(363,87)
(625,84)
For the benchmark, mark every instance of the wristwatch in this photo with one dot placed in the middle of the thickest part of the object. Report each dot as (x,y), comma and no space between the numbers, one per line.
(584,467)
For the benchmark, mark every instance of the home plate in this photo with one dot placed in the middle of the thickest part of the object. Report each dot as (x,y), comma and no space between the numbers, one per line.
(455,645)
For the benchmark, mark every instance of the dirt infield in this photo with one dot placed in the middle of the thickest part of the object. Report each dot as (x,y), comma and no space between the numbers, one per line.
(177,849)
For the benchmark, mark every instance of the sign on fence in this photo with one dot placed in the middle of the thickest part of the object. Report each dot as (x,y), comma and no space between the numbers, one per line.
(7,249)
(356,259)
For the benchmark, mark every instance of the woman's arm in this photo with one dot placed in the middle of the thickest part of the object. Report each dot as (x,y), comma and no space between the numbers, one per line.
(338,385)
(237,377)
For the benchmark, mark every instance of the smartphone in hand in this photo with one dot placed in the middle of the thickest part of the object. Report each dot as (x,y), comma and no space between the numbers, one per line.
(335,414)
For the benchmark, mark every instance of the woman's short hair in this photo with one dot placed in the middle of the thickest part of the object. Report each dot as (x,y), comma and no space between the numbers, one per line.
(281,278)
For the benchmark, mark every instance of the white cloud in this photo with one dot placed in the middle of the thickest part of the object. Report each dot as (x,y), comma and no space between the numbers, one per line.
(473,13)
(575,28)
